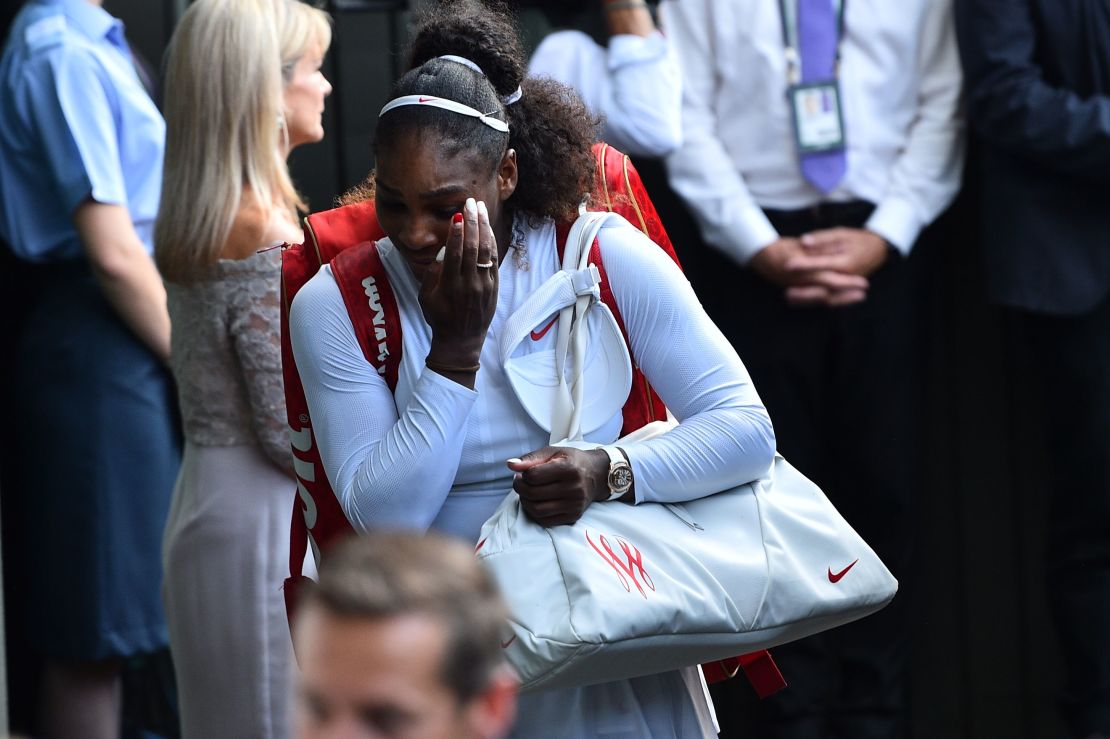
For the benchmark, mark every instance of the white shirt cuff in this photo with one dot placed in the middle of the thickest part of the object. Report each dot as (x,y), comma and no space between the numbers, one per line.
(627,48)
(742,236)
(895,220)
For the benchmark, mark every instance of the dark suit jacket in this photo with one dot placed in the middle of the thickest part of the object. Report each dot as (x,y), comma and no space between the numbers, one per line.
(1038,95)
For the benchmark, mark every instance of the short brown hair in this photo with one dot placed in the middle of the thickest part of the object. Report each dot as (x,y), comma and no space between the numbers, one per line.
(386,575)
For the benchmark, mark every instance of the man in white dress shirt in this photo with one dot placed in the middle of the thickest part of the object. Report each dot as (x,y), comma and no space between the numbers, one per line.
(819,138)
(634,82)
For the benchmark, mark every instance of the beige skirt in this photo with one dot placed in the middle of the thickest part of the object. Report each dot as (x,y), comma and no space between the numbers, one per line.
(226,554)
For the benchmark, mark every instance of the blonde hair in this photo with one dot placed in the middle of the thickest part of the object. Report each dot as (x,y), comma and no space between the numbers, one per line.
(301,26)
(223,130)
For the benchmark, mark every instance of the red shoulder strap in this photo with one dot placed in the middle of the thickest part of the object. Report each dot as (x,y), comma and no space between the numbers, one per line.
(372,306)
(318,519)
(333,231)
(620,190)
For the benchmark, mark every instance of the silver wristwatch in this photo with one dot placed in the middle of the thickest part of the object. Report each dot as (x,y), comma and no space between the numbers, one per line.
(620,472)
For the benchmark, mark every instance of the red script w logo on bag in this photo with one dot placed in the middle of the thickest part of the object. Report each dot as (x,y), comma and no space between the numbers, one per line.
(626,567)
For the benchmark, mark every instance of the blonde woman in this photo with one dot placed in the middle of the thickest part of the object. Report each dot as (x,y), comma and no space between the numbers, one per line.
(243,87)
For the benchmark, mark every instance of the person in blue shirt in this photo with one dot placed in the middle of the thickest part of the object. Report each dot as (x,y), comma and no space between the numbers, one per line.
(89,474)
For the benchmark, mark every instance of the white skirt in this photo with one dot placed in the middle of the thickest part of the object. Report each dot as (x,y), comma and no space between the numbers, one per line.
(225,554)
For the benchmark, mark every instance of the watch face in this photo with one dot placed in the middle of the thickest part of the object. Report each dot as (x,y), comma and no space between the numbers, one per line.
(620,478)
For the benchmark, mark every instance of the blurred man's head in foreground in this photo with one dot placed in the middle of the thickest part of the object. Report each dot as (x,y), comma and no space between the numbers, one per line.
(401,638)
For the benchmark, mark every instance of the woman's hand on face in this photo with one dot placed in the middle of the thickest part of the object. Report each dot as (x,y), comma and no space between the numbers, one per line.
(459,297)
(557,484)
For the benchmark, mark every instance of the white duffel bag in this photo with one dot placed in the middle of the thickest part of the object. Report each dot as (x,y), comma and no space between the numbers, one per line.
(632,590)
(637,590)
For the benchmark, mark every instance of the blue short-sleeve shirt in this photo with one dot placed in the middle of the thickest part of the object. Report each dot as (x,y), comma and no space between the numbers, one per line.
(75,123)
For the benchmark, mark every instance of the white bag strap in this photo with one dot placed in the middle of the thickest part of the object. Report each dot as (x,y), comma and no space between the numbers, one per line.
(573,331)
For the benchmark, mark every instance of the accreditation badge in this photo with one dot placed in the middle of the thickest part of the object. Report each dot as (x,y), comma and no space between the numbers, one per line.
(818,123)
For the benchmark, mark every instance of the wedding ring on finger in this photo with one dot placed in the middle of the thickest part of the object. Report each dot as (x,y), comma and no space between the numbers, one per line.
(485,265)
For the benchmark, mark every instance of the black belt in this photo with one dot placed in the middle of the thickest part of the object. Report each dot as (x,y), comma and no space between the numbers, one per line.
(824,215)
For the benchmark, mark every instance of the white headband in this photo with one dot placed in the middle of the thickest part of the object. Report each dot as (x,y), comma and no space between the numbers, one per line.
(508,99)
(463,61)
(445,104)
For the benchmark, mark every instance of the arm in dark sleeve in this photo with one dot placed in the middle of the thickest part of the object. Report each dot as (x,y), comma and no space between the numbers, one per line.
(1011,104)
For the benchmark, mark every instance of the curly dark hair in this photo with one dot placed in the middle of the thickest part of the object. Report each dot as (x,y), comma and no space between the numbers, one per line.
(549,127)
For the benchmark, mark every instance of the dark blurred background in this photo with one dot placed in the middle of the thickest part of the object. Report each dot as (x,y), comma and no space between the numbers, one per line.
(986,663)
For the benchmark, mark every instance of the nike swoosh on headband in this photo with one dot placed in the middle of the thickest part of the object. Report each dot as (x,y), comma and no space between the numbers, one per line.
(451,105)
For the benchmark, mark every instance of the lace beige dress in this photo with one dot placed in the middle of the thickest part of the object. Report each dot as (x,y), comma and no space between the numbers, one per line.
(226,546)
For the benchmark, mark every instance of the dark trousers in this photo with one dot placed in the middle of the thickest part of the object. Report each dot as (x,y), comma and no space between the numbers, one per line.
(1072,358)
(841,387)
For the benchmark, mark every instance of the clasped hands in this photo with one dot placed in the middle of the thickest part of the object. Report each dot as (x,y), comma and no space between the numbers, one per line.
(829,267)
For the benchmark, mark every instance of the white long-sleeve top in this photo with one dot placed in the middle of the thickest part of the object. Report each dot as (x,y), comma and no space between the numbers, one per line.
(421,459)
(635,85)
(900,84)
(433,455)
